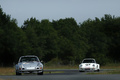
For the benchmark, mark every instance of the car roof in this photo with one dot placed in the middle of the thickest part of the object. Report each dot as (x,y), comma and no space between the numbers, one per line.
(89,59)
(29,56)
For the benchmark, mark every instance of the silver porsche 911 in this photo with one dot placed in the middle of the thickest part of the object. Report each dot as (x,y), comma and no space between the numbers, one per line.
(29,64)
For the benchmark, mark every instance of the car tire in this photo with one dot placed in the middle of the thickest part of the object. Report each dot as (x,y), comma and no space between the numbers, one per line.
(17,73)
(98,70)
(81,71)
(40,73)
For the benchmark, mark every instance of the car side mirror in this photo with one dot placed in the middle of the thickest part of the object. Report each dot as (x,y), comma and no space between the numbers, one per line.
(41,61)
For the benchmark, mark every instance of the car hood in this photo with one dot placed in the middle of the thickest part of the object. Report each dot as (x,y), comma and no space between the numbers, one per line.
(87,63)
(29,64)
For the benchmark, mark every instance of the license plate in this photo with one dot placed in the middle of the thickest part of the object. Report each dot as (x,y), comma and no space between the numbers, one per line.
(30,68)
(87,69)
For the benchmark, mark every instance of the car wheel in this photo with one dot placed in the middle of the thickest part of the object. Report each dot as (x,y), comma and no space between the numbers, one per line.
(40,73)
(98,70)
(81,71)
(17,73)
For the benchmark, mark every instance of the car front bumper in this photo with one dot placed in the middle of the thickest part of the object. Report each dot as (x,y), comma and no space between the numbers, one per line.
(30,71)
(87,69)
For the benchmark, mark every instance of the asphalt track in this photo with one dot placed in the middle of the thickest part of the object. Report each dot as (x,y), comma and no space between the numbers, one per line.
(67,75)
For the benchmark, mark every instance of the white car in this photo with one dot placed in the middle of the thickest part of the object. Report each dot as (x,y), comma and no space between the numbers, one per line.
(29,64)
(89,64)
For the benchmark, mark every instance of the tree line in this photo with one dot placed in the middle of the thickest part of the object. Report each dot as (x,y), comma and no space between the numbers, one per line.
(61,39)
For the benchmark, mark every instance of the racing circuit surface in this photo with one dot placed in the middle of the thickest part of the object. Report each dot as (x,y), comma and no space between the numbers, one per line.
(67,75)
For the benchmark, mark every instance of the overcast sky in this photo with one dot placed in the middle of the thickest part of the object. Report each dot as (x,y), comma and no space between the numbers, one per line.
(80,10)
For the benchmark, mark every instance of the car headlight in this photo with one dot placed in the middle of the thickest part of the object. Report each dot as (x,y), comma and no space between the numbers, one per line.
(39,66)
(21,67)
(80,65)
(93,65)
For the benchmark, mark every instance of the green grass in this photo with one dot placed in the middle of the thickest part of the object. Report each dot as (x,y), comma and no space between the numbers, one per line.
(7,71)
(61,67)
(111,66)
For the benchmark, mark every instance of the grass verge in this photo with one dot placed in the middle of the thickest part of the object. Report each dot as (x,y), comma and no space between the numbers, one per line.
(111,66)
(61,67)
(7,71)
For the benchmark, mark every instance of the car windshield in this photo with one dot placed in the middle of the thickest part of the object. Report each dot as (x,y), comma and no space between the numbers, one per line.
(89,61)
(28,59)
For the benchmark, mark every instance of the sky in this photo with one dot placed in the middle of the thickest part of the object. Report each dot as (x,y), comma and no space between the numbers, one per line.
(80,10)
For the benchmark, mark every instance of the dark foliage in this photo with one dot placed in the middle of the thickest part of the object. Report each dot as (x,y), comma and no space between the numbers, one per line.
(63,39)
